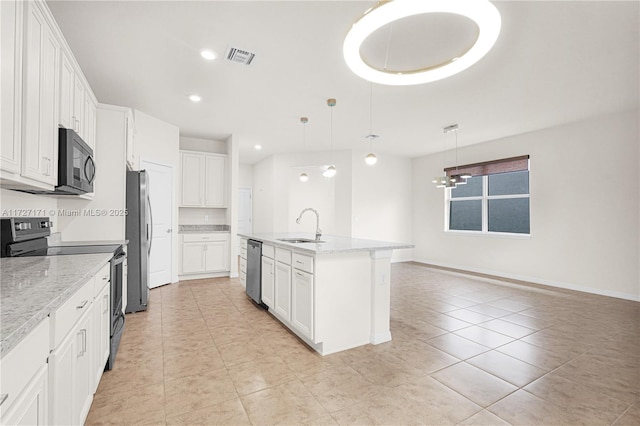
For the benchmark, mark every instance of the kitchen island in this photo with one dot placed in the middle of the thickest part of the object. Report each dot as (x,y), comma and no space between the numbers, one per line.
(334,293)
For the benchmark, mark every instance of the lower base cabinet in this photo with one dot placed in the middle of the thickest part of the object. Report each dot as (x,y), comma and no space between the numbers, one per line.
(267,281)
(302,302)
(282,291)
(31,408)
(204,253)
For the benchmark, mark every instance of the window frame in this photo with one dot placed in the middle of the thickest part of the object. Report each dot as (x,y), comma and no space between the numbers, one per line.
(485,197)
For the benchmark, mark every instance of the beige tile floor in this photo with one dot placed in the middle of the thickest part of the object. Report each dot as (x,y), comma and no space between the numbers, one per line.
(465,350)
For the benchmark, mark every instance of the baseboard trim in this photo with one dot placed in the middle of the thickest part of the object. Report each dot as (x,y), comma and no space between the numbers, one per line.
(378,338)
(489,274)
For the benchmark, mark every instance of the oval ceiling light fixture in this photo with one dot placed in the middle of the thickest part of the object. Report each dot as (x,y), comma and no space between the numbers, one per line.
(482,12)
(329,171)
(257,147)
(208,55)
(195,98)
(304,177)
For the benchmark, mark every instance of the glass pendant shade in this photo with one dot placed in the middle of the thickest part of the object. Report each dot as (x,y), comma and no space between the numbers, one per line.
(304,177)
(330,172)
(371,159)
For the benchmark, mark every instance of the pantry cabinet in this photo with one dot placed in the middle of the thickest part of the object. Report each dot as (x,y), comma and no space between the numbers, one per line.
(204,253)
(203,179)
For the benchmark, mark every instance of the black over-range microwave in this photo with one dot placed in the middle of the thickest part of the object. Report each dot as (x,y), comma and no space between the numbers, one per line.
(76,168)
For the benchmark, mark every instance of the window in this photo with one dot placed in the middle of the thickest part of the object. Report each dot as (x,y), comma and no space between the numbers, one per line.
(496,202)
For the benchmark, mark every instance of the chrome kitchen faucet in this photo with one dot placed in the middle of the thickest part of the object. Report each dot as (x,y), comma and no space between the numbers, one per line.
(318,230)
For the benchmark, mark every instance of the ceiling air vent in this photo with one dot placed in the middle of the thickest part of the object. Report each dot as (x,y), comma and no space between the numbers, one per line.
(240,56)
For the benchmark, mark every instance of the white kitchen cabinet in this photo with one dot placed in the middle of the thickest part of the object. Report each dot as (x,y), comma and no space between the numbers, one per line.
(268,281)
(23,379)
(67,82)
(192,179)
(102,333)
(282,291)
(205,253)
(203,179)
(71,378)
(302,302)
(243,262)
(215,180)
(90,118)
(132,159)
(11,25)
(40,101)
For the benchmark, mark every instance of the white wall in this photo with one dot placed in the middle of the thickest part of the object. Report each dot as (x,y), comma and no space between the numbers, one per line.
(193,216)
(159,142)
(246,176)
(585,206)
(204,145)
(14,203)
(382,201)
(360,201)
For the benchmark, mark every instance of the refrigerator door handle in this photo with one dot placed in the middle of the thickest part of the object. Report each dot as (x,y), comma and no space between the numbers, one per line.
(150,238)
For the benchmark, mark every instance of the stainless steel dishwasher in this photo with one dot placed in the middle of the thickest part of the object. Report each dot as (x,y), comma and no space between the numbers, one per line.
(254,271)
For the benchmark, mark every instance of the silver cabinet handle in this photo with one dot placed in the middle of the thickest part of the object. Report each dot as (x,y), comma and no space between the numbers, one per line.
(82,305)
(106,303)
(3,397)
(300,263)
(84,342)
(169,231)
(105,278)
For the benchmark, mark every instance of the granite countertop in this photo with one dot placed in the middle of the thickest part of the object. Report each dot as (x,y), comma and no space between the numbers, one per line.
(33,287)
(200,229)
(332,244)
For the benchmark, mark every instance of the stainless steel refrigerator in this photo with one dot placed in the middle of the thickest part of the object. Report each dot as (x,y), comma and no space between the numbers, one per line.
(139,232)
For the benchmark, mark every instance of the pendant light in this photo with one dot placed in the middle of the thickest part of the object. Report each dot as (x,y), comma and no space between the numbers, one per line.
(371,158)
(304,120)
(331,170)
(455,179)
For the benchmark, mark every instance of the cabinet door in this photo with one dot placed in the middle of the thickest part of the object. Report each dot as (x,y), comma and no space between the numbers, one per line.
(62,362)
(31,408)
(129,137)
(89,121)
(193,260)
(283,291)
(267,281)
(78,107)
(40,130)
(302,303)
(102,331)
(11,25)
(67,77)
(83,372)
(192,179)
(215,173)
(216,255)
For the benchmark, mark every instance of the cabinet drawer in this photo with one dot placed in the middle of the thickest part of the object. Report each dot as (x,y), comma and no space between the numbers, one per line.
(22,363)
(302,262)
(243,243)
(194,238)
(63,319)
(243,278)
(243,265)
(283,256)
(101,279)
(243,253)
(268,251)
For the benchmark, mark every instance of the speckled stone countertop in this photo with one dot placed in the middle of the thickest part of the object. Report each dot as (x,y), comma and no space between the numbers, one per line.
(198,229)
(332,244)
(33,287)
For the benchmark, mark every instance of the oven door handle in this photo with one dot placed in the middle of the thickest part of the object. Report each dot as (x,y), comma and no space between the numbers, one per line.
(118,259)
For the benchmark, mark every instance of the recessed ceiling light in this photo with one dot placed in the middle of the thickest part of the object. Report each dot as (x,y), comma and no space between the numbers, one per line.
(482,12)
(258,147)
(207,54)
(195,98)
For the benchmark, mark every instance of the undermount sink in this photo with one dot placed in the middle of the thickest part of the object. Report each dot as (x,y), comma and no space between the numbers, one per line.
(299,240)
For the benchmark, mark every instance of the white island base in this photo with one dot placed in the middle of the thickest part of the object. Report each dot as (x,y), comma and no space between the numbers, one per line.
(334,296)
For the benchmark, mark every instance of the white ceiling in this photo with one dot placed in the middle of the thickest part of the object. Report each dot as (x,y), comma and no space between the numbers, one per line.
(554,62)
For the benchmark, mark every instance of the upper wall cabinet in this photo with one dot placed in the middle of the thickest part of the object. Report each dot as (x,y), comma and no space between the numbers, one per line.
(203,179)
(42,88)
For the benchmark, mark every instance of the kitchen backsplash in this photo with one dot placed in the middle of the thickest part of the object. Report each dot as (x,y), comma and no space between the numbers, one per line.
(203,228)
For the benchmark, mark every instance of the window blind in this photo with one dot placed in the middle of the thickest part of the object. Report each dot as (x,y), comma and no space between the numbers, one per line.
(513,164)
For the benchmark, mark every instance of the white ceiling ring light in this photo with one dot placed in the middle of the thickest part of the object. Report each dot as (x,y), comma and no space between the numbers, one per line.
(482,12)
